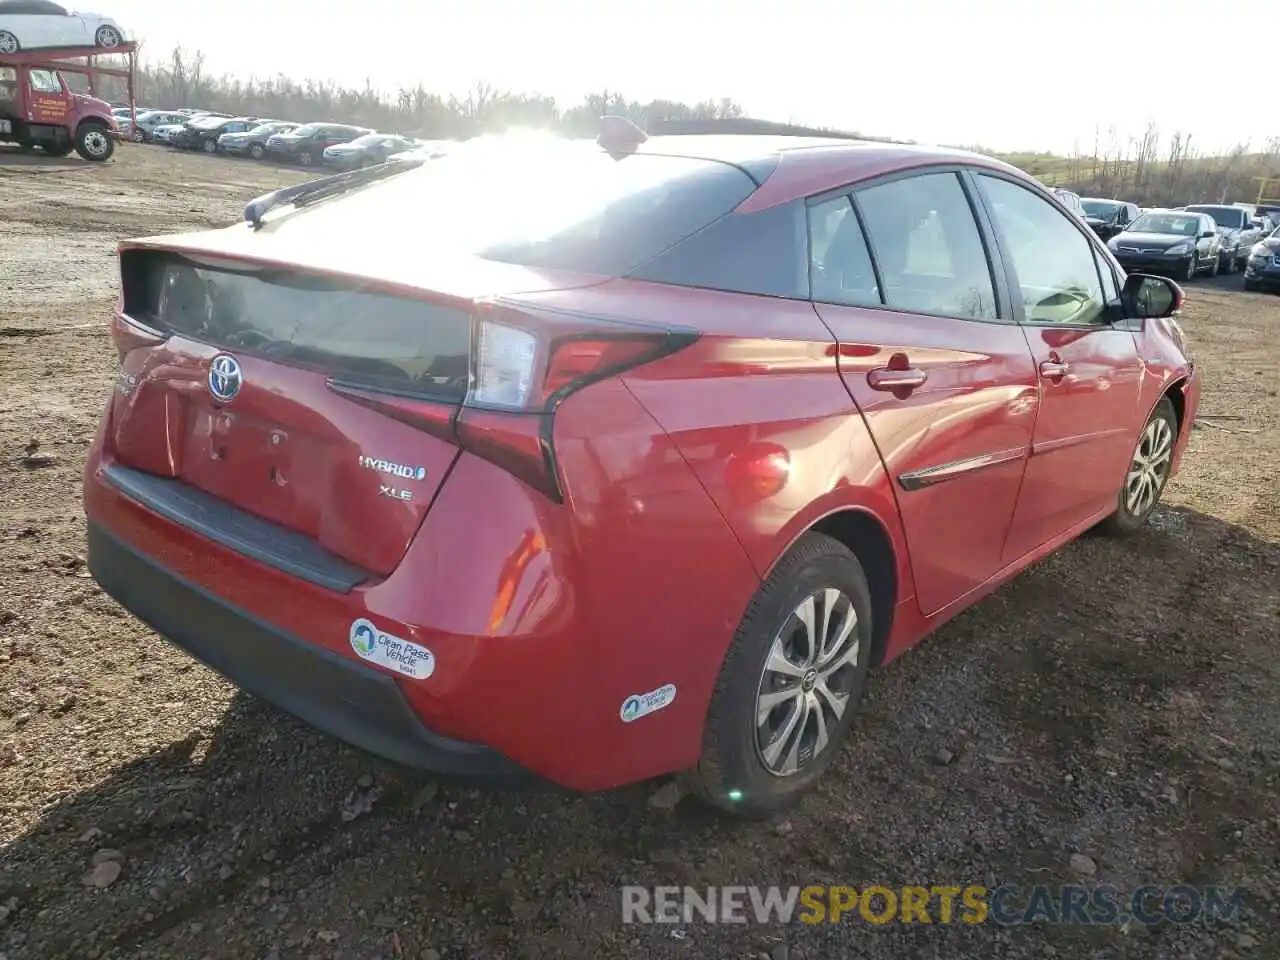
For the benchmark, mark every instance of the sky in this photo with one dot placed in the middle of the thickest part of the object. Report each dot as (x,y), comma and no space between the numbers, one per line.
(1004,74)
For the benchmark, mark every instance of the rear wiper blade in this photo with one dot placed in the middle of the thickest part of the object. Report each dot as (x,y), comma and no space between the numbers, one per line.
(315,190)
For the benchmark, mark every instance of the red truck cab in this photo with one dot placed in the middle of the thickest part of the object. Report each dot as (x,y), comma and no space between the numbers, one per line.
(38,109)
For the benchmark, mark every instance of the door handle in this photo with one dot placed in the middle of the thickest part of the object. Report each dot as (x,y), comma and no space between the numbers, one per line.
(1054,369)
(889,379)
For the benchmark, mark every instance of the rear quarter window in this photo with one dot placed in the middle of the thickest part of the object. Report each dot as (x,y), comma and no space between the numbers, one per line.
(760,253)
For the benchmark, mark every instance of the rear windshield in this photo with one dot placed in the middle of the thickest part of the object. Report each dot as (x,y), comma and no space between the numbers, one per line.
(1100,209)
(1223,216)
(558,205)
(1184,226)
(366,338)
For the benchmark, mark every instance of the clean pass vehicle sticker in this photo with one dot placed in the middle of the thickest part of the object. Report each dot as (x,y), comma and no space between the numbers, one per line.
(394,653)
(642,704)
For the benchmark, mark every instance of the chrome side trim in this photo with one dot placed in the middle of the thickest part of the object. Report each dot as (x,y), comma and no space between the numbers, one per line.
(918,479)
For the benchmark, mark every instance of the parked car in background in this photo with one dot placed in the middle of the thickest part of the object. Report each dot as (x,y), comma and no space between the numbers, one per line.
(33,24)
(305,145)
(1069,199)
(1108,217)
(164,132)
(143,131)
(733,442)
(1262,270)
(1178,242)
(1236,227)
(202,133)
(367,150)
(253,142)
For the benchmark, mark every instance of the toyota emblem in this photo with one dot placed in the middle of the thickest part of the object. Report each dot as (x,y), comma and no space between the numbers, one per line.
(225,377)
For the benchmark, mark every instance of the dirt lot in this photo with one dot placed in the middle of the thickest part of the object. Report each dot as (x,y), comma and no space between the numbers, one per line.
(1118,701)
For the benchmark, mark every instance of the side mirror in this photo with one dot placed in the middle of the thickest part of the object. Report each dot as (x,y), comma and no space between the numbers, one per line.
(1147,297)
(1208,235)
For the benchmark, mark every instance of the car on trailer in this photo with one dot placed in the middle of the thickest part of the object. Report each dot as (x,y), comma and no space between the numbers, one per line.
(39,24)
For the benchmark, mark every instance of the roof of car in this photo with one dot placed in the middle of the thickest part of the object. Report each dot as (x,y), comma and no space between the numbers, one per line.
(809,165)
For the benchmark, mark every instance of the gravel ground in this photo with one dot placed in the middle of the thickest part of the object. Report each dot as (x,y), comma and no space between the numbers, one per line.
(1118,701)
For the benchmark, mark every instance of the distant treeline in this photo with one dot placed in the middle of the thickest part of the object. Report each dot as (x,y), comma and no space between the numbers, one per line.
(1150,170)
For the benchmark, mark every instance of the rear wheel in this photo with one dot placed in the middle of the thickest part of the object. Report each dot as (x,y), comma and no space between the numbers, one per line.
(108,38)
(210,147)
(93,142)
(304,157)
(1252,285)
(56,149)
(139,136)
(790,683)
(1148,472)
(8,42)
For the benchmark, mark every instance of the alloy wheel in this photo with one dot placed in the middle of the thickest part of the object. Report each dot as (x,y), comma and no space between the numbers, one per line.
(1150,467)
(806,683)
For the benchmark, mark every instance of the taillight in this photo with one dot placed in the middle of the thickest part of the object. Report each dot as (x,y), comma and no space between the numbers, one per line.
(129,336)
(523,366)
(520,373)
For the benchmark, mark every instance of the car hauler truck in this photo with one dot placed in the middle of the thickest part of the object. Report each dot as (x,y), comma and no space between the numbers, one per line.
(39,109)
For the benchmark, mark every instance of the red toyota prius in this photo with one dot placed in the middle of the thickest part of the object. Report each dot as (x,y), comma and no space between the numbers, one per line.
(606,460)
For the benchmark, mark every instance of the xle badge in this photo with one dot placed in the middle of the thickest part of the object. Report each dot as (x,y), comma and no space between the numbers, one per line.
(402,495)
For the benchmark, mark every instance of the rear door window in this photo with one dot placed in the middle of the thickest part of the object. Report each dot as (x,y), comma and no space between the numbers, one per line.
(839,262)
(927,247)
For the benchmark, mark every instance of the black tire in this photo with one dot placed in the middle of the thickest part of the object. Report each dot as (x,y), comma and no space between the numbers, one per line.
(93,142)
(108,38)
(1252,286)
(257,151)
(209,146)
(304,157)
(731,773)
(1126,519)
(1229,265)
(1213,267)
(139,137)
(8,43)
(57,149)
(1189,271)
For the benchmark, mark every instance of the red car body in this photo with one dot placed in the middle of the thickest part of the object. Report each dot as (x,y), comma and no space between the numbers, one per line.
(557,565)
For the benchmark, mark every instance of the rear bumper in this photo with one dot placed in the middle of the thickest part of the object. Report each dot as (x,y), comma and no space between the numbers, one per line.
(541,625)
(337,695)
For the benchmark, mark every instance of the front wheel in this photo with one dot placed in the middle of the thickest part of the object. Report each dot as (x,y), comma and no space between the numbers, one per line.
(256,151)
(304,158)
(8,43)
(1253,286)
(1229,264)
(1189,269)
(790,683)
(1148,472)
(93,142)
(1213,267)
(210,147)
